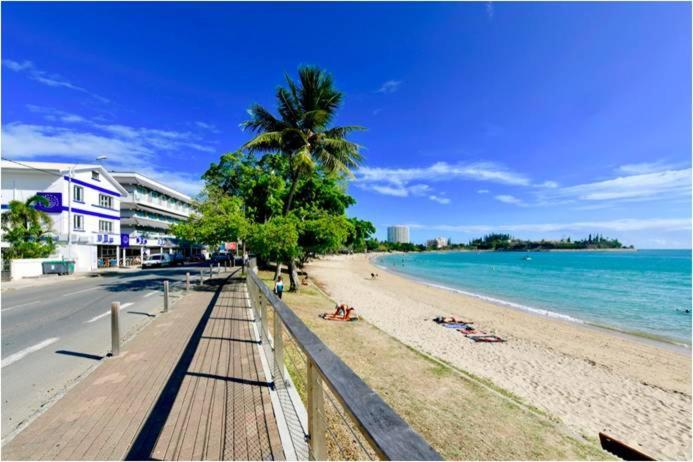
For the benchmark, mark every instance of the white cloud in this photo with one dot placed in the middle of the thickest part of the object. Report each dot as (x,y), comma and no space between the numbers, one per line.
(128,148)
(45,78)
(624,224)
(390,86)
(489,10)
(479,171)
(646,186)
(205,126)
(509,199)
(482,191)
(646,167)
(439,199)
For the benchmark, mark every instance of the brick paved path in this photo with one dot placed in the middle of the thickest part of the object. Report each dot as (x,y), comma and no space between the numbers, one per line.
(189,386)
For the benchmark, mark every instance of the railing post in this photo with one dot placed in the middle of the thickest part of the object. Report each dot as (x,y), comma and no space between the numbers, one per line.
(165,296)
(263,318)
(115,329)
(278,346)
(187,281)
(316,413)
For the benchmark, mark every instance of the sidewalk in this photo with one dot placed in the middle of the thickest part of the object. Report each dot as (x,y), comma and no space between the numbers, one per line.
(189,386)
(54,278)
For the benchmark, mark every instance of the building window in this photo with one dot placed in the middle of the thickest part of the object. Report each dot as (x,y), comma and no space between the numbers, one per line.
(95,175)
(78,193)
(78,222)
(105,201)
(105,226)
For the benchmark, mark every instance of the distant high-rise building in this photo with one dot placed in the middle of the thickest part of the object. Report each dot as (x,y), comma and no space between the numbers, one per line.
(438,243)
(398,233)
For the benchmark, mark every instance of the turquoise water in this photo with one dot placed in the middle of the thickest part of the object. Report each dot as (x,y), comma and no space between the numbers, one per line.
(637,292)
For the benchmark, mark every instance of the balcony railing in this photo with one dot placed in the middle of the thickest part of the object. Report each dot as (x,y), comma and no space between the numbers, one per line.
(330,412)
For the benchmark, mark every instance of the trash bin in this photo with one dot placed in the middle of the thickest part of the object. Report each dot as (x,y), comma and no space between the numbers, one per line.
(58,267)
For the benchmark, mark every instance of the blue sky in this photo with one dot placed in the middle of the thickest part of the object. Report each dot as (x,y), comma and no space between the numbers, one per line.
(543,120)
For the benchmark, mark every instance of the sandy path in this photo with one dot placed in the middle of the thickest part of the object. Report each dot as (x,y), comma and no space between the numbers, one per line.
(592,379)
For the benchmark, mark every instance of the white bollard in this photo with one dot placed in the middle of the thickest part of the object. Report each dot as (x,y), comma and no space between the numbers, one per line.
(115,329)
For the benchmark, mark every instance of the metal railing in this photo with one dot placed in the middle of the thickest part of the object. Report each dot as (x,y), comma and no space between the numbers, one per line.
(329,411)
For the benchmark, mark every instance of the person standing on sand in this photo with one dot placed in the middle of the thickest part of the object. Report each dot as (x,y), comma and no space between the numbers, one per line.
(279,287)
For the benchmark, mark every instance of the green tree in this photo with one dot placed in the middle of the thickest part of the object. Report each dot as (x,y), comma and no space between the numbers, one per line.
(276,239)
(361,232)
(218,218)
(304,134)
(323,234)
(26,229)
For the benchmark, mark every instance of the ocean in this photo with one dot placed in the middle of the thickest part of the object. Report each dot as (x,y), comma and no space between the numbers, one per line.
(642,293)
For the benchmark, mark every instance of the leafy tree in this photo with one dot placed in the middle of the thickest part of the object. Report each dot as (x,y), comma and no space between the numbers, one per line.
(323,234)
(26,229)
(218,218)
(276,239)
(303,134)
(362,230)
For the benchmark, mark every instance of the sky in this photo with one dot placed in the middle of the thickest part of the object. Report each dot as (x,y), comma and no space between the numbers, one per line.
(544,120)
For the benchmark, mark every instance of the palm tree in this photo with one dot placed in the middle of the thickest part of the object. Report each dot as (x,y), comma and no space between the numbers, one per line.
(303,132)
(25,228)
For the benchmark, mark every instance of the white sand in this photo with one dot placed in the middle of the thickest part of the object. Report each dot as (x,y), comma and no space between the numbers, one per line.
(591,379)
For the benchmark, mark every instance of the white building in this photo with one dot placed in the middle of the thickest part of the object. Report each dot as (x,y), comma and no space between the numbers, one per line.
(147,213)
(84,207)
(438,243)
(398,233)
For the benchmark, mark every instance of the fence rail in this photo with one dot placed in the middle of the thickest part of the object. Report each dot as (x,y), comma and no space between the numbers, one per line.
(331,390)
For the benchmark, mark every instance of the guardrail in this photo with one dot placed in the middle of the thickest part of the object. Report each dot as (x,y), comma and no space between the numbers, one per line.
(345,418)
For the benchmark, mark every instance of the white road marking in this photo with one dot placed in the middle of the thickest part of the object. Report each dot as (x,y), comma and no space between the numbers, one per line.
(96,318)
(20,354)
(19,306)
(80,291)
(152,293)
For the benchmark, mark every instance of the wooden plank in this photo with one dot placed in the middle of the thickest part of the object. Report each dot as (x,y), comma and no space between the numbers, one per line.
(621,449)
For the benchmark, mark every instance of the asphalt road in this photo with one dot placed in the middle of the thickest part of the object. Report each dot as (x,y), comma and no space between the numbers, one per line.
(54,335)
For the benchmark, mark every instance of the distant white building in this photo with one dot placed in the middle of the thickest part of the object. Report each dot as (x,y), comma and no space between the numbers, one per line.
(84,207)
(438,243)
(398,233)
(147,214)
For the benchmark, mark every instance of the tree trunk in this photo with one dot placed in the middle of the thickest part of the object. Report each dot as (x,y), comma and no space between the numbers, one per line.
(291,264)
(293,276)
(278,271)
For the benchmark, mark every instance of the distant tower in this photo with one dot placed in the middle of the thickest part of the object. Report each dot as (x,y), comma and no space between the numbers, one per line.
(398,233)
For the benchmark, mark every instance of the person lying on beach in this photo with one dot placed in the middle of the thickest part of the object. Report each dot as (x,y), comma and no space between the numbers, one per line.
(486,338)
(372,275)
(468,330)
(341,313)
(450,320)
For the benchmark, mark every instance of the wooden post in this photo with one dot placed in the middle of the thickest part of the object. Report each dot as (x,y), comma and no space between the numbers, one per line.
(165,296)
(278,347)
(316,412)
(115,329)
(263,318)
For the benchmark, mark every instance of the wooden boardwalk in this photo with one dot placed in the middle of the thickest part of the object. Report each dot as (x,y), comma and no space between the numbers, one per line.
(190,386)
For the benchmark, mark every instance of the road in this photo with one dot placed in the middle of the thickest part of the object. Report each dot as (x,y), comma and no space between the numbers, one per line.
(55,334)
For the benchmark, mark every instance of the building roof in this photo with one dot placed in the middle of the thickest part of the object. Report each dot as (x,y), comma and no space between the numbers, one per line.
(139,179)
(60,168)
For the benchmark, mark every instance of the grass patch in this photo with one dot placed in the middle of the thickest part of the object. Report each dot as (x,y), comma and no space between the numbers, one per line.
(461,415)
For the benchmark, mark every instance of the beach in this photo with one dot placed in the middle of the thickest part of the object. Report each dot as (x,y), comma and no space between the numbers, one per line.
(593,380)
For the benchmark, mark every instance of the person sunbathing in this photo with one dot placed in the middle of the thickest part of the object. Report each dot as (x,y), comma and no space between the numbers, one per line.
(341,313)
(450,320)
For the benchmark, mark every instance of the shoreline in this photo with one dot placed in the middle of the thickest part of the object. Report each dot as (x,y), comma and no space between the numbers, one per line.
(593,379)
(674,345)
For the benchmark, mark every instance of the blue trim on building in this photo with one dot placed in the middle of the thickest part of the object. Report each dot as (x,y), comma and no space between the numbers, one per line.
(5,206)
(95,214)
(92,186)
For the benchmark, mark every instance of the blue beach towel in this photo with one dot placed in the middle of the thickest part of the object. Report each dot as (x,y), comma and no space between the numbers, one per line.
(456,326)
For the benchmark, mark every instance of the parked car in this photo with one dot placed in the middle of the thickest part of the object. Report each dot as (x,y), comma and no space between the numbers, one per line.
(177,259)
(197,257)
(157,259)
(221,258)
